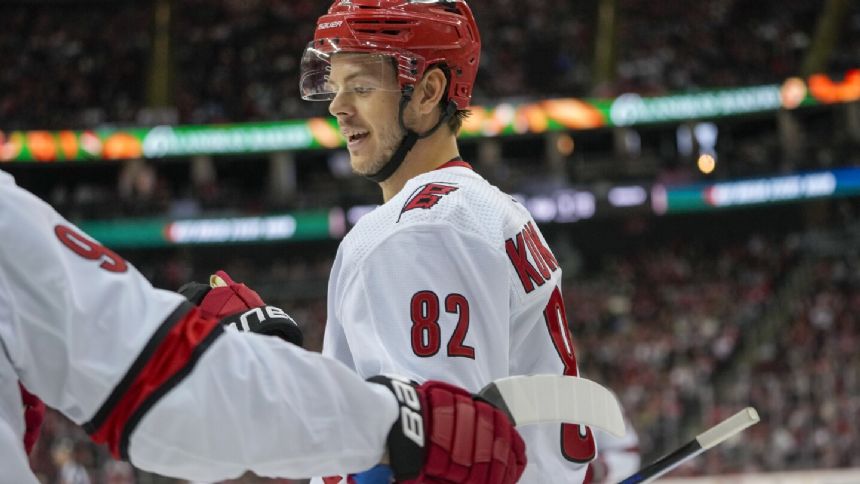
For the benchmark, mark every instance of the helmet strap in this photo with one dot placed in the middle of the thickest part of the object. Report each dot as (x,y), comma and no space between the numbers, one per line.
(411,137)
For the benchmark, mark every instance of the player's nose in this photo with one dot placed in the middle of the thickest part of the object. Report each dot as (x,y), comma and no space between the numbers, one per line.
(340,106)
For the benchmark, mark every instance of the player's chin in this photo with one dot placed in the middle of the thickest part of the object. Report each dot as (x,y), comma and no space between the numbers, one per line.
(365,165)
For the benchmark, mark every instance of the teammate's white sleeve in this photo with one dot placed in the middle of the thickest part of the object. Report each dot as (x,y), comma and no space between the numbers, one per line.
(89,335)
(425,304)
(281,412)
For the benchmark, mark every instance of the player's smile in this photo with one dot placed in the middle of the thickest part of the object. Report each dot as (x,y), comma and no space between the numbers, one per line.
(355,138)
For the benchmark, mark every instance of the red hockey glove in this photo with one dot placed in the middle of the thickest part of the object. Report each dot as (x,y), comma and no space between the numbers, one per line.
(446,435)
(238,305)
(34,415)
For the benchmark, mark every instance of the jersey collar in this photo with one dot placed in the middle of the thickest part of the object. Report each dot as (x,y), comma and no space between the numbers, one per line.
(456,161)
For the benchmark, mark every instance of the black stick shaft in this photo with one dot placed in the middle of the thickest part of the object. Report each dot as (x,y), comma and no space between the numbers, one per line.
(666,463)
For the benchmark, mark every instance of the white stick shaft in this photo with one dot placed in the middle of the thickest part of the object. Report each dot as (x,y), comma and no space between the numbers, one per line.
(704,441)
(727,428)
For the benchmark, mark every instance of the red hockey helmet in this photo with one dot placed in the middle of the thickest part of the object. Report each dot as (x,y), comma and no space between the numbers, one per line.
(416,34)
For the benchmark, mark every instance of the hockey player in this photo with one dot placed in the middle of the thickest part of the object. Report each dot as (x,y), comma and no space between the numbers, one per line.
(165,386)
(450,278)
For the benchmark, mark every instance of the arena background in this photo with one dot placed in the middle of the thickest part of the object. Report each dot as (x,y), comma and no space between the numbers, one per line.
(694,165)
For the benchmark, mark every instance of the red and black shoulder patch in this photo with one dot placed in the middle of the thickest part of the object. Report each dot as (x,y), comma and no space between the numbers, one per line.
(427,196)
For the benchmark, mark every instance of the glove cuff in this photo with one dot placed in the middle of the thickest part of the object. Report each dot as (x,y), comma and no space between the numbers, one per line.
(407,440)
(194,291)
(268,320)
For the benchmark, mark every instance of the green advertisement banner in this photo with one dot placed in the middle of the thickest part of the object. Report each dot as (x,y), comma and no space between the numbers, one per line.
(137,233)
(168,141)
(504,119)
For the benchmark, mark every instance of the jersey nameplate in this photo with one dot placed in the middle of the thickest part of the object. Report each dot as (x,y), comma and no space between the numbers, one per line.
(528,242)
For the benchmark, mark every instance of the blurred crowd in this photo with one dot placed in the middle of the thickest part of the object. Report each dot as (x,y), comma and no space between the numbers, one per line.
(656,323)
(68,66)
(674,45)
(238,60)
(807,380)
(692,332)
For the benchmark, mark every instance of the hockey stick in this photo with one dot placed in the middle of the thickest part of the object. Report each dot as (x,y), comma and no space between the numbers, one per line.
(532,399)
(704,441)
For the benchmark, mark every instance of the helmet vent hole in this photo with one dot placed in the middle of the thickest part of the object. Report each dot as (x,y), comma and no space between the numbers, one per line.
(379,22)
(389,32)
(391,28)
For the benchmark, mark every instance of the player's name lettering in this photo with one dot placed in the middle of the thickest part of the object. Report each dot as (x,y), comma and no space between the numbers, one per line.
(539,269)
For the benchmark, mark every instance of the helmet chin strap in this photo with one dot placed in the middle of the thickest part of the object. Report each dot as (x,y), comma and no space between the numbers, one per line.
(410,139)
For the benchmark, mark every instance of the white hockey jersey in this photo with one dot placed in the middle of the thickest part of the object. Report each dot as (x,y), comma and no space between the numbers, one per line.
(170,391)
(452,280)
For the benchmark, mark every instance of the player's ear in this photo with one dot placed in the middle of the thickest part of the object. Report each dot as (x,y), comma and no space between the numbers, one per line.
(430,91)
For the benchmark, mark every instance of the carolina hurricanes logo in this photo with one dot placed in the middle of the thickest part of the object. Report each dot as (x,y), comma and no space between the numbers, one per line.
(427,196)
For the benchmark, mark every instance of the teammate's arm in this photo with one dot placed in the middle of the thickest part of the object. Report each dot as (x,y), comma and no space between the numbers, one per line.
(168,388)
(143,372)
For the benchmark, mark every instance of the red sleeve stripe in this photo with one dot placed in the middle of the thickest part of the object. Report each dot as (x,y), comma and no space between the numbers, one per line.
(168,385)
(170,355)
(157,338)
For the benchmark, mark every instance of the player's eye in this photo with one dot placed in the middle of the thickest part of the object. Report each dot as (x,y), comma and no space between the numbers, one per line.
(362,89)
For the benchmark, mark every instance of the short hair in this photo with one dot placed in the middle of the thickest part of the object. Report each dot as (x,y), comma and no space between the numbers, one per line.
(455,122)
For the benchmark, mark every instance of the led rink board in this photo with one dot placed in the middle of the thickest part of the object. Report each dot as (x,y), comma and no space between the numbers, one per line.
(137,233)
(698,197)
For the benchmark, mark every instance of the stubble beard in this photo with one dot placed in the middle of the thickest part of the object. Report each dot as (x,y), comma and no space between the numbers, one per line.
(389,142)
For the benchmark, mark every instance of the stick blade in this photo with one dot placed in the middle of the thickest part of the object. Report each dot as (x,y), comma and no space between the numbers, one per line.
(532,399)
